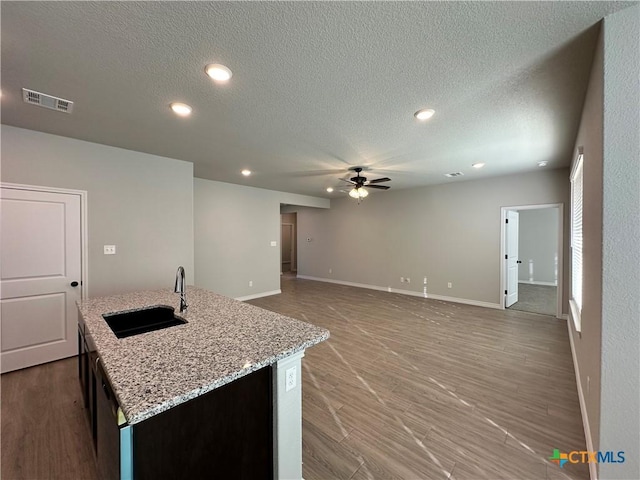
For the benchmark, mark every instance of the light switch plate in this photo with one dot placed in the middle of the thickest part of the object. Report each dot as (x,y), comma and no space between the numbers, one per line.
(109,249)
(274,243)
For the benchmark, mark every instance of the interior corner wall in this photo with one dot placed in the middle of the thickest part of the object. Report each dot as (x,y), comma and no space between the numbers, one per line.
(141,203)
(447,233)
(538,246)
(234,228)
(620,367)
(587,343)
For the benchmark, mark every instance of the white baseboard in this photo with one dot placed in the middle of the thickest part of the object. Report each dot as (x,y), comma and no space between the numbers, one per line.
(405,292)
(593,469)
(258,295)
(535,282)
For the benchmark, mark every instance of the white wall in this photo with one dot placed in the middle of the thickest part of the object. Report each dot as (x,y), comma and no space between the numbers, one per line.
(620,368)
(448,233)
(141,203)
(538,246)
(234,228)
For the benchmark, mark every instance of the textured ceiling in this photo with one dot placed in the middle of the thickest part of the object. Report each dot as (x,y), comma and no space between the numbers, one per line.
(317,87)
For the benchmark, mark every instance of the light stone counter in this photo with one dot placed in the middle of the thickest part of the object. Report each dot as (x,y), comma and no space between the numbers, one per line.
(223,340)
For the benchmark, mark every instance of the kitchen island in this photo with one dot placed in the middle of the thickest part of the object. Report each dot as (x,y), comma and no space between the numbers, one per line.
(227,353)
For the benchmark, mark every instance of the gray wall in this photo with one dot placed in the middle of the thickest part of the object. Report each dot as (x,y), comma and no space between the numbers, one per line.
(607,348)
(620,369)
(234,227)
(538,245)
(587,344)
(141,203)
(448,233)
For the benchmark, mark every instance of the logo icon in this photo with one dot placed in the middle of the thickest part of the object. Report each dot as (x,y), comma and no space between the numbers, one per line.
(559,458)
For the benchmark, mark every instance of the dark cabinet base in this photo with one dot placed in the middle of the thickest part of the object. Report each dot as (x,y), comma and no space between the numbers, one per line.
(226,433)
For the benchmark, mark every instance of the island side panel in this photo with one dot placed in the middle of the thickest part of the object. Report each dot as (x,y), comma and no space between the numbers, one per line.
(287,418)
(226,433)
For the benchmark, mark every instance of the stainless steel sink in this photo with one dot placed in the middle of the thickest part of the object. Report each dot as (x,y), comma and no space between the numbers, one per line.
(135,322)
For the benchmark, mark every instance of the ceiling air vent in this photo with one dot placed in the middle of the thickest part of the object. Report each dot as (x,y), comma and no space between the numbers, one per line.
(47,101)
(454,174)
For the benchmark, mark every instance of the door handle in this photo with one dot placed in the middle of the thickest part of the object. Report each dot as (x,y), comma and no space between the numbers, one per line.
(74,284)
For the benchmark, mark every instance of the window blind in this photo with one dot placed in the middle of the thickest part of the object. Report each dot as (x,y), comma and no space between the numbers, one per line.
(576,234)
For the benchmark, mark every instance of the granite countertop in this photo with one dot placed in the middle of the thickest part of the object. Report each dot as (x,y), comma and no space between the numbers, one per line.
(223,339)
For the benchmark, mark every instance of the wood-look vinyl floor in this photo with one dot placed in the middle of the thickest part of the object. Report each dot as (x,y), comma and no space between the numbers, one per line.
(404,388)
(422,389)
(45,431)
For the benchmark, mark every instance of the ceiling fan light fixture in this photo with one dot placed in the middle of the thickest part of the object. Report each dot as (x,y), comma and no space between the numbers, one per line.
(358,192)
(424,114)
(478,165)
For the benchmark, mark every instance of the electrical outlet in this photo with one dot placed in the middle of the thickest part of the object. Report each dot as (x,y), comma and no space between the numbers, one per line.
(251,283)
(331,270)
(449,285)
(401,279)
(425,280)
(290,379)
(109,249)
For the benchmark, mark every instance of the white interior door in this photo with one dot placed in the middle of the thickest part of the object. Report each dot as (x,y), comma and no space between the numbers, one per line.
(41,257)
(511,232)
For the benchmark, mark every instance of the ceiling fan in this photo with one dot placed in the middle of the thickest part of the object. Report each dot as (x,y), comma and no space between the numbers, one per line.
(358,191)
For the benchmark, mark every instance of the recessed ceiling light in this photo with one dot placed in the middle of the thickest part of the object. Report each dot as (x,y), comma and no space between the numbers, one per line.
(181,109)
(478,165)
(329,189)
(219,73)
(542,164)
(424,114)
(246,172)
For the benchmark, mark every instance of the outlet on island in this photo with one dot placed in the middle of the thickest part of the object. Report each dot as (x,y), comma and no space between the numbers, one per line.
(290,379)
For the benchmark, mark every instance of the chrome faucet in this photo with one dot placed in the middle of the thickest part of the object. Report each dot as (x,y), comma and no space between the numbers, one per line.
(181,288)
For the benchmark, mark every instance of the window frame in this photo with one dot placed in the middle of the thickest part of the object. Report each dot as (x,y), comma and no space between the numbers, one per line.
(577,241)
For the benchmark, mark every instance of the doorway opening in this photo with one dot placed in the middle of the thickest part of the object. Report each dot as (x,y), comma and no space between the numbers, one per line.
(531,258)
(288,244)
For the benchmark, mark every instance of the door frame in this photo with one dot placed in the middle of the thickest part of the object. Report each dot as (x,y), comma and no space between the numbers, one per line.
(84,267)
(503,240)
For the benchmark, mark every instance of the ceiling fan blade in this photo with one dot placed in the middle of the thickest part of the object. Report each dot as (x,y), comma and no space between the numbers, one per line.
(379,187)
(379,180)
